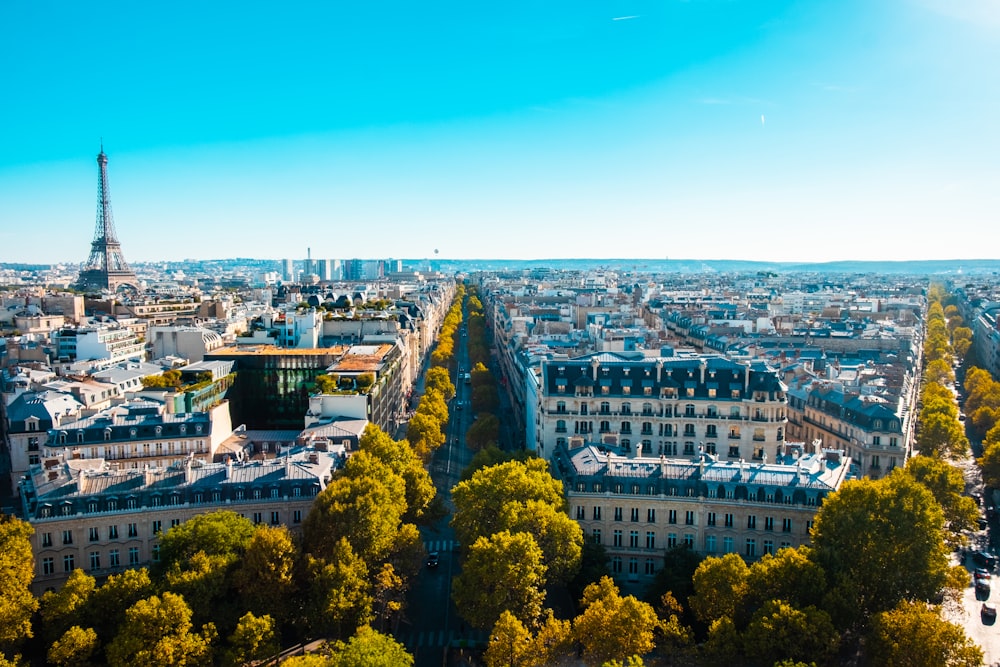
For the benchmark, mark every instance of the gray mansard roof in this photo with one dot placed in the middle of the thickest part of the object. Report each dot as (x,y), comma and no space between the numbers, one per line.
(129,422)
(680,373)
(798,476)
(45,406)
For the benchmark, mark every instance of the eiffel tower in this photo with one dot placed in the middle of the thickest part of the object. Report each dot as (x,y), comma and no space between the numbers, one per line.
(106,269)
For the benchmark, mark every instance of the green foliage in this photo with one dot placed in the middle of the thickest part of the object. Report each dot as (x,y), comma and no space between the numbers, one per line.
(107,604)
(369,648)
(221,533)
(438,379)
(484,431)
(914,634)
(339,598)
(947,483)
(559,537)
(327,384)
(492,455)
(614,627)
(158,631)
(17,568)
(65,607)
(254,639)
(479,501)
(264,577)
(364,503)
(74,648)
(485,398)
(501,572)
(510,644)
(402,460)
(364,382)
(170,379)
(720,585)
(780,631)
(892,527)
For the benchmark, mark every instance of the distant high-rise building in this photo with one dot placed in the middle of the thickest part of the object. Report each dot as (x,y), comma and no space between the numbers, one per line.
(288,270)
(106,268)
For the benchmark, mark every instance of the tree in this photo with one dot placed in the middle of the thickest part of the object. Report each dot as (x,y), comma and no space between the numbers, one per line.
(265,575)
(365,508)
(369,648)
(424,433)
(74,648)
(438,379)
(720,586)
(485,398)
(253,640)
(559,537)
(780,631)
(892,526)
(485,431)
(479,501)
(17,568)
(65,608)
(400,457)
(939,371)
(221,533)
(724,646)
(327,383)
(790,575)
(510,644)
(492,455)
(947,484)
(339,593)
(676,576)
(203,581)
(990,464)
(501,572)
(107,604)
(157,631)
(914,634)
(940,435)
(611,626)
(388,596)
(553,643)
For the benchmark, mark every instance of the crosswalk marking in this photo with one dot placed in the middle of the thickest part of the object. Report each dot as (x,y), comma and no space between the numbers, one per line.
(439,545)
(433,639)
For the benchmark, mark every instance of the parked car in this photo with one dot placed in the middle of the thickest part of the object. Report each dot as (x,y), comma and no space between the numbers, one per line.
(984,560)
(981,574)
(988,611)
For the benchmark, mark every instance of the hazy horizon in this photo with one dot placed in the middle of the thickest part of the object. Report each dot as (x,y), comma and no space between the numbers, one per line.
(790,131)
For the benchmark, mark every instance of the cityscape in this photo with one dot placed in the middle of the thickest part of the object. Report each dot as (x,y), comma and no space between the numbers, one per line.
(623,334)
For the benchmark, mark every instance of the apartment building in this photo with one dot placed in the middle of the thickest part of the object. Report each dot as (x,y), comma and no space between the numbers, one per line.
(669,405)
(638,505)
(90,514)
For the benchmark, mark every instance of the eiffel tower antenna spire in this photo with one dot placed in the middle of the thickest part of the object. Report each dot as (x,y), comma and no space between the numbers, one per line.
(106,268)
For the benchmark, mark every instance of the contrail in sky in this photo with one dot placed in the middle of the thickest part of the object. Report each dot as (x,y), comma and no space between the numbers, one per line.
(624,18)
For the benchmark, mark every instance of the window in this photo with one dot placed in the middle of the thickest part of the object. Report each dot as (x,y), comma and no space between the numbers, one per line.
(156,553)
(67,536)
(651,515)
(786,525)
(114,559)
(94,535)
(175,522)
(157,527)
(650,567)
(672,516)
(635,513)
(650,540)
(69,563)
(133,530)
(727,545)
(711,518)
(751,522)
(751,547)
(95,560)
(596,536)
(581,514)
(671,540)
(257,517)
(689,540)
(710,544)
(297,516)
(597,512)
(46,540)
(48,566)
(616,565)
(768,546)
(633,566)
(729,520)
(133,555)
(618,514)
(617,538)
(809,526)
(689,518)
(769,523)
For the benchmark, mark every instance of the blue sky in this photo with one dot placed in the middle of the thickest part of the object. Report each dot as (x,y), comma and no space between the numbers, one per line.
(760,129)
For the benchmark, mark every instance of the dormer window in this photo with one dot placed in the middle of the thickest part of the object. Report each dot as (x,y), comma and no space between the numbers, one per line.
(79,436)
(62,437)
(132,432)
(159,430)
(184,429)
(197,428)
(107,434)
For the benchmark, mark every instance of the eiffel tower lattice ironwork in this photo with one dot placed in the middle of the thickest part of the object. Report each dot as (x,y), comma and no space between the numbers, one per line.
(106,269)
